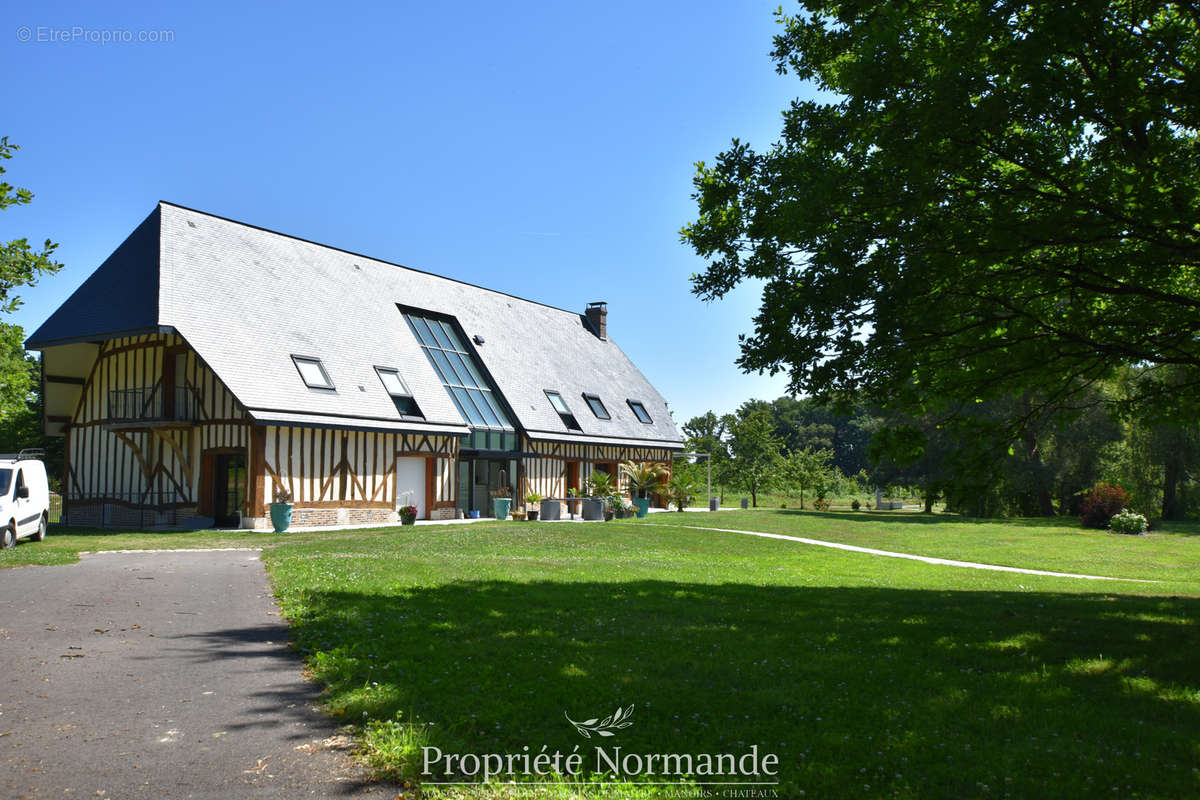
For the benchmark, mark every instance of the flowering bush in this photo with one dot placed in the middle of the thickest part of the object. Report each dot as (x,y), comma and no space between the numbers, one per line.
(1102,504)
(1128,522)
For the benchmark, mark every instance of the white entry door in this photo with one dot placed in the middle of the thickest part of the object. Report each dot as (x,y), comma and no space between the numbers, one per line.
(410,484)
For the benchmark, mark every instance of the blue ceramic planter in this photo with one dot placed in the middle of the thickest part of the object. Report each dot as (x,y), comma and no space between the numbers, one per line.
(501,507)
(281,516)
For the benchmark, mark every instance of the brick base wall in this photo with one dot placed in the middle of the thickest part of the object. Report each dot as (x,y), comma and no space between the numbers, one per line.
(443,513)
(308,517)
(302,517)
(371,516)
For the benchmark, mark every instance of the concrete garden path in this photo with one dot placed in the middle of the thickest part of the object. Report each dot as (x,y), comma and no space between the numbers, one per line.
(159,675)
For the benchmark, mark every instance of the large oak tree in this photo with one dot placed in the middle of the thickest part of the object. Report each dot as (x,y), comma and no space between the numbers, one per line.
(985,200)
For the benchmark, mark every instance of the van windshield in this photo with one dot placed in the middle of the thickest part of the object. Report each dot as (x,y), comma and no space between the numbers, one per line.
(5,481)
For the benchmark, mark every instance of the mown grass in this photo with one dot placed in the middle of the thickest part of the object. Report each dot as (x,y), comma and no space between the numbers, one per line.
(867,676)
(1168,554)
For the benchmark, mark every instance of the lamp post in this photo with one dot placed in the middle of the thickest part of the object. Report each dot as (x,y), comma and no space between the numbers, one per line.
(691,457)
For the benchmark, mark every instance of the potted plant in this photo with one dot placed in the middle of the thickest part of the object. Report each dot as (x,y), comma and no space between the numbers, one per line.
(281,510)
(680,490)
(618,507)
(644,479)
(532,499)
(501,502)
(598,486)
(408,515)
(571,504)
(518,514)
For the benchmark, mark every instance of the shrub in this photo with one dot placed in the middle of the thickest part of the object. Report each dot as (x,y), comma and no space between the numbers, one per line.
(821,504)
(1101,504)
(855,505)
(1128,522)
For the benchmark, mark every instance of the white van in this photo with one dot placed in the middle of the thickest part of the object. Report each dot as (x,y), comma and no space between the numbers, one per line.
(24,498)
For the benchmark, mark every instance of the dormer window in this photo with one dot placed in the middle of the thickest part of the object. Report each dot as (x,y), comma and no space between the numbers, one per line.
(564,412)
(639,411)
(313,373)
(596,405)
(399,392)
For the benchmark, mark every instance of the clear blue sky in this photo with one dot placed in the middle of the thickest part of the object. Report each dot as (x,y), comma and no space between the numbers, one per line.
(542,149)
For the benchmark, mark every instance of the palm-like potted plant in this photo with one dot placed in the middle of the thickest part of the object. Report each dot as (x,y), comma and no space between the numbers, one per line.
(680,490)
(281,510)
(644,479)
(532,499)
(598,485)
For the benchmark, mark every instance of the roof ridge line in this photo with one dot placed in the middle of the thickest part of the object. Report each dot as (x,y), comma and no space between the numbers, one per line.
(364,255)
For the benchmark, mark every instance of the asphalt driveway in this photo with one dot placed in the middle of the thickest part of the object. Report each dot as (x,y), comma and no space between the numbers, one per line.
(162,675)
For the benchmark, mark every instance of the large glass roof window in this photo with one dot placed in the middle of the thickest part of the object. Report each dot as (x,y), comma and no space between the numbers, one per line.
(474,397)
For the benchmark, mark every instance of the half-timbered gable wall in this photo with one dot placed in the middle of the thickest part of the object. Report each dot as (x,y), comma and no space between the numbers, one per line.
(130,444)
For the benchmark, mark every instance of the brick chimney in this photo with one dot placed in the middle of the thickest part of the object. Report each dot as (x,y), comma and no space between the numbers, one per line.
(597,317)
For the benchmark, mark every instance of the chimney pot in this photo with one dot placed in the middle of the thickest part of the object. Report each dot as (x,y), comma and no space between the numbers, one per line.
(597,317)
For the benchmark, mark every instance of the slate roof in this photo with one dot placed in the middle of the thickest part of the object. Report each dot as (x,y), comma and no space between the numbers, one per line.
(118,299)
(247,299)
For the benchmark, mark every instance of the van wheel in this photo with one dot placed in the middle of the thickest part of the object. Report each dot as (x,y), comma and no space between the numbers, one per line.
(40,536)
(8,537)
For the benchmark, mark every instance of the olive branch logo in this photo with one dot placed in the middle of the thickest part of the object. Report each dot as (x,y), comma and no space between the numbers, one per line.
(606,727)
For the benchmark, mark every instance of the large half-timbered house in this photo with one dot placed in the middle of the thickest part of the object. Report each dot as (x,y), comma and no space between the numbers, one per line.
(208,365)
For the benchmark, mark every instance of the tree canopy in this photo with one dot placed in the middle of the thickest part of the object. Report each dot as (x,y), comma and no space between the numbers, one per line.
(21,263)
(986,199)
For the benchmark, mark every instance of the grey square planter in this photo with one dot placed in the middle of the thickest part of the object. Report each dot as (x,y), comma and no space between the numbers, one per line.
(593,509)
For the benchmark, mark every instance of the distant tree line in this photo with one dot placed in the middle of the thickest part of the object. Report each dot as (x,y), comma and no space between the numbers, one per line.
(1006,457)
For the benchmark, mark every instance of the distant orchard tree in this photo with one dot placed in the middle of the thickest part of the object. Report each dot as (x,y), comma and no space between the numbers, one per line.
(755,463)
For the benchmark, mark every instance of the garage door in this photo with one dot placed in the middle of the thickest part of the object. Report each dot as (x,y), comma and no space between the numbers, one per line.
(410,484)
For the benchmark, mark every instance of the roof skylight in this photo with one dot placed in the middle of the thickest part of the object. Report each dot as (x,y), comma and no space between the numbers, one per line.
(564,412)
(639,411)
(596,405)
(399,391)
(312,372)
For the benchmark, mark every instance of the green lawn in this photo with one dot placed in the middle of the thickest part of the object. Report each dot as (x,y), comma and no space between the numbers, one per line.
(866,676)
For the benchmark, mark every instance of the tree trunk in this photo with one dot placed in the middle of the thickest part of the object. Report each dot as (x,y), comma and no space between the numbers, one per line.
(1171,474)
(929,495)
(1033,457)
